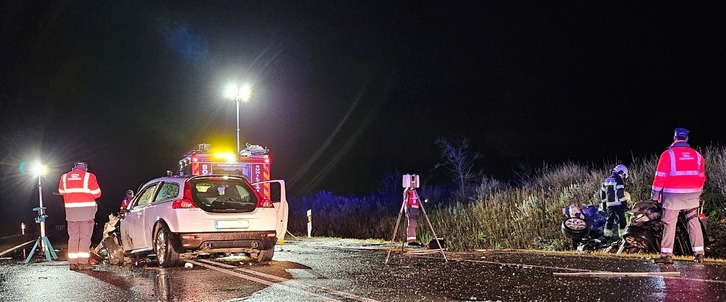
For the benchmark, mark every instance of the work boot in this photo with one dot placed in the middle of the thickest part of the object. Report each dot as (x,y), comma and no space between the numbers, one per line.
(73,266)
(699,258)
(663,260)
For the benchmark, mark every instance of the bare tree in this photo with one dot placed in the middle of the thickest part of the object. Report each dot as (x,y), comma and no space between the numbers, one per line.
(459,162)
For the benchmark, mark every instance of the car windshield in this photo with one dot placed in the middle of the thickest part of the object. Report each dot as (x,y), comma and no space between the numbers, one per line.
(224,195)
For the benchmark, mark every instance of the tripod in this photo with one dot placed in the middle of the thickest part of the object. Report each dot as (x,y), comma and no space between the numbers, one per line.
(398,221)
(43,241)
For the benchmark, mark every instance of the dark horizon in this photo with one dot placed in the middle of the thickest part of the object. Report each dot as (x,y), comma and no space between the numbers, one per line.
(345,93)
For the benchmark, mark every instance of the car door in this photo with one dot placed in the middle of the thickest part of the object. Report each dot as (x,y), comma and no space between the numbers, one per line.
(134,227)
(159,209)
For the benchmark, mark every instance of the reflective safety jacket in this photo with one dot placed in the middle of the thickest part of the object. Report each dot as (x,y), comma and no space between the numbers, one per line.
(411,198)
(680,170)
(612,192)
(79,189)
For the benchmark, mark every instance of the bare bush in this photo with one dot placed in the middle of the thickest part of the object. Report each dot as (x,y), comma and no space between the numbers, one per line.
(459,163)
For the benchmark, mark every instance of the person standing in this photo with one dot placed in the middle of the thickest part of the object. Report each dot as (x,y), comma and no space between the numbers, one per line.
(80,191)
(612,195)
(678,183)
(412,206)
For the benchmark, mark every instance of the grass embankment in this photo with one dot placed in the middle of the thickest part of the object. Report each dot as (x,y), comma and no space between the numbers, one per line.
(526,215)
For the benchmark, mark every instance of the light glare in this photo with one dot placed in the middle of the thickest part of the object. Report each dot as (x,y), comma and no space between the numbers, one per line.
(237,93)
(38,169)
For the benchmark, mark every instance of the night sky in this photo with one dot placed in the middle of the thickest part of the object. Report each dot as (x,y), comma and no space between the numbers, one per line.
(346,92)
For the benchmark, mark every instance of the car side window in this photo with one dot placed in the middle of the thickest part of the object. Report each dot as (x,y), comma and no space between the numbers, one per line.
(167,191)
(146,195)
(243,193)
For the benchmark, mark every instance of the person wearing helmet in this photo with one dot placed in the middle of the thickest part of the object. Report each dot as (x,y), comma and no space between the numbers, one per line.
(677,185)
(612,196)
(80,191)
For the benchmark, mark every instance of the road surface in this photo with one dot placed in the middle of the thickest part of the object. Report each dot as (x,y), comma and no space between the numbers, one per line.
(353,270)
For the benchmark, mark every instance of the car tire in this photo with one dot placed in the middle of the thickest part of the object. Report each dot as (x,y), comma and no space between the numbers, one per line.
(166,254)
(575,227)
(265,255)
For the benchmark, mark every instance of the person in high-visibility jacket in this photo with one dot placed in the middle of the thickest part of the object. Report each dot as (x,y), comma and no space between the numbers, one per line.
(80,191)
(412,206)
(125,202)
(678,184)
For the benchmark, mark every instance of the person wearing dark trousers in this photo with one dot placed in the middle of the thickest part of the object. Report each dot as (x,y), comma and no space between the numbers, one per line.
(612,195)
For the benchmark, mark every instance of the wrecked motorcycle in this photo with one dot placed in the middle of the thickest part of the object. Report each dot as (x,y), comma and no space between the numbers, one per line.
(645,231)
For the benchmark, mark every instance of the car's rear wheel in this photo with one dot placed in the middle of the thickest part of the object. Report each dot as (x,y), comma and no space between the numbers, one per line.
(166,255)
(265,255)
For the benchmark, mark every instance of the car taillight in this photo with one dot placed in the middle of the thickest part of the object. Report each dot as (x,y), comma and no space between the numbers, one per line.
(186,201)
(183,204)
(264,203)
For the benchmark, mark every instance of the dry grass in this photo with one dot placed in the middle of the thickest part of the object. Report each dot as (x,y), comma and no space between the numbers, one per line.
(522,216)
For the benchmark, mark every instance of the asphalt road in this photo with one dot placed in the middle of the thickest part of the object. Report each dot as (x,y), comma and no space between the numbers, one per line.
(352,270)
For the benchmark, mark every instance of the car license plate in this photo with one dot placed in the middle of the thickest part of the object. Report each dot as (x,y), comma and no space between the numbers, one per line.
(231,224)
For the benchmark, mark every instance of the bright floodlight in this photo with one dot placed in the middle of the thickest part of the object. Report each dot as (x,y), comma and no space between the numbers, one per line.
(231,91)
(38,169)
(245,93)
(238,93)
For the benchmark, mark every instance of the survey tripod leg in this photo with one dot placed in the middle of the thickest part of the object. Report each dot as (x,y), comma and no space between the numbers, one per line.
(438,243)
(395,230)
(410,183)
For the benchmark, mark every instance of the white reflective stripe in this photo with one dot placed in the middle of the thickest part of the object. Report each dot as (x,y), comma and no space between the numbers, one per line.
(623,199)
(410,238)
(96,191)
(685,173)
(84,255)
(81,204)
(673,160)
(63,187)
(658,173)
(85,181)
(72,255)
(699,159)
(619,187)
(691,190)
(666,250)
(697,248)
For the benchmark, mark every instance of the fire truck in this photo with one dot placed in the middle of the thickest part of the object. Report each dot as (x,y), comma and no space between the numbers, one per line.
(253,162)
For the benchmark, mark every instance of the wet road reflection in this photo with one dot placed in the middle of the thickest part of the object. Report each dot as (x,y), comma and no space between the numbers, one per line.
(313,271)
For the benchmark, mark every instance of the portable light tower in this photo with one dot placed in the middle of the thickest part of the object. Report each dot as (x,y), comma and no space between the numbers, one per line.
(39,170)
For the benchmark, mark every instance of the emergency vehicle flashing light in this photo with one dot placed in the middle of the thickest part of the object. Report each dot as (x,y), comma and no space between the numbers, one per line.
(253,162)
(229,156)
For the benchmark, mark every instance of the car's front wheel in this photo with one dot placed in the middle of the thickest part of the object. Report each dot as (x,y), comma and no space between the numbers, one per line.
(166,255)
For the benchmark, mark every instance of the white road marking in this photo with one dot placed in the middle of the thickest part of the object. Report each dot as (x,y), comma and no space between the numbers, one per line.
(301,287)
